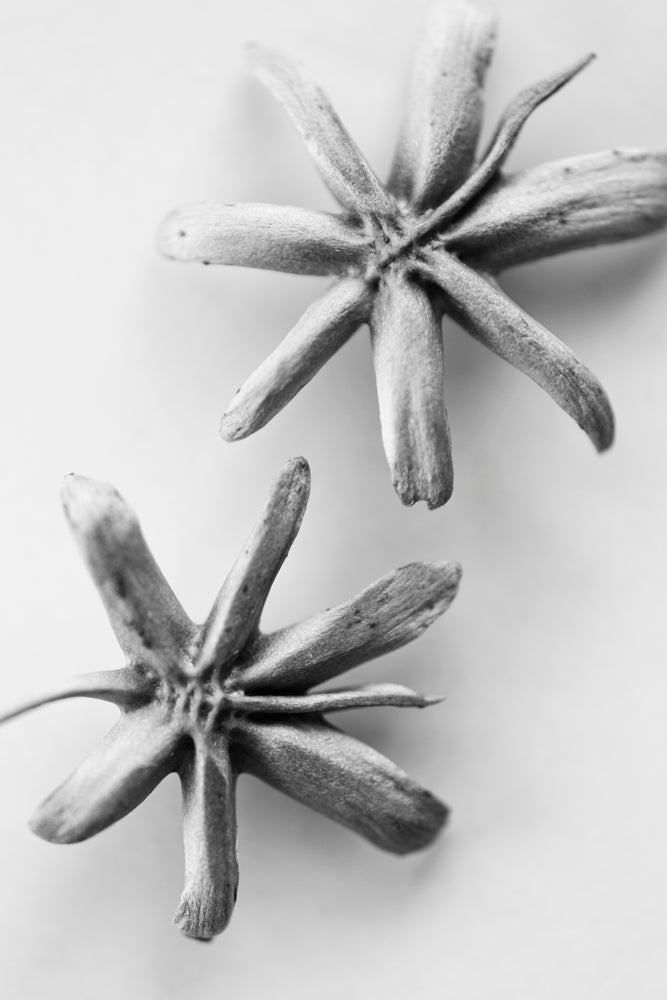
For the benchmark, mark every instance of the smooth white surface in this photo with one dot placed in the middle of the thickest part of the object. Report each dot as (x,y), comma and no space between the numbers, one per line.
(552,879)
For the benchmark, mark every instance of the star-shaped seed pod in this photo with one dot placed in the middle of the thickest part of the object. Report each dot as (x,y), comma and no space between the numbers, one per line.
(212,701)
(428,244)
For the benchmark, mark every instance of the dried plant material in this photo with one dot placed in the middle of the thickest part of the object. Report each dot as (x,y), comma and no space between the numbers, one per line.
(210,702)
(426,245)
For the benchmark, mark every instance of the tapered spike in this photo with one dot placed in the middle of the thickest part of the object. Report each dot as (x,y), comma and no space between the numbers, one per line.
(324,327)
(209,836)
(338,159)
(438,138)
(112,781)
(579,202)
(150,624)
(410,376)
(274,237)
(390,613)
(344,779)
(236,612)
(492,318)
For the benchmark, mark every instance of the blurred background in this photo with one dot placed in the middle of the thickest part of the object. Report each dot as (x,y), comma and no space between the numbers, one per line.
(550,747)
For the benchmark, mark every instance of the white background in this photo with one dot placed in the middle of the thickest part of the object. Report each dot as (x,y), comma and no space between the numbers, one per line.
(551,881)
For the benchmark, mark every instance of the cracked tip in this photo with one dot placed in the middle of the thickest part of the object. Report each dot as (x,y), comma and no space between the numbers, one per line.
(202,916)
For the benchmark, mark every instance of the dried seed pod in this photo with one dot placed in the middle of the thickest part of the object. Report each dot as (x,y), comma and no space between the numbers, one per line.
(408,242)
(213,701)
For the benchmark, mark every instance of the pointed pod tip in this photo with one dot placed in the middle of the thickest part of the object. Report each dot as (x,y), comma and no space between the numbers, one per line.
(450,571)
(576,67)
(462,11)
(606,429)
(252,48)
(88,501)
(432,586)
(447,579)
(187,233)
(405,493)
(442,495)
(446,815)
(293,481)
(229,428)
(259,57)
(72,482)
(167,239)
(442,814)
(242,416)
(260,52)
(596,416)
(531,98)
(47,826)
(297,467)
(235,423)
(78,492)
(430,817)
(604,439)
(436,578)
(203,914)
(294,475)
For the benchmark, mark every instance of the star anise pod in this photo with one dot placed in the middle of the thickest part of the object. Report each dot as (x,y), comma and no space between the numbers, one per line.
(215,700)
(427,244)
